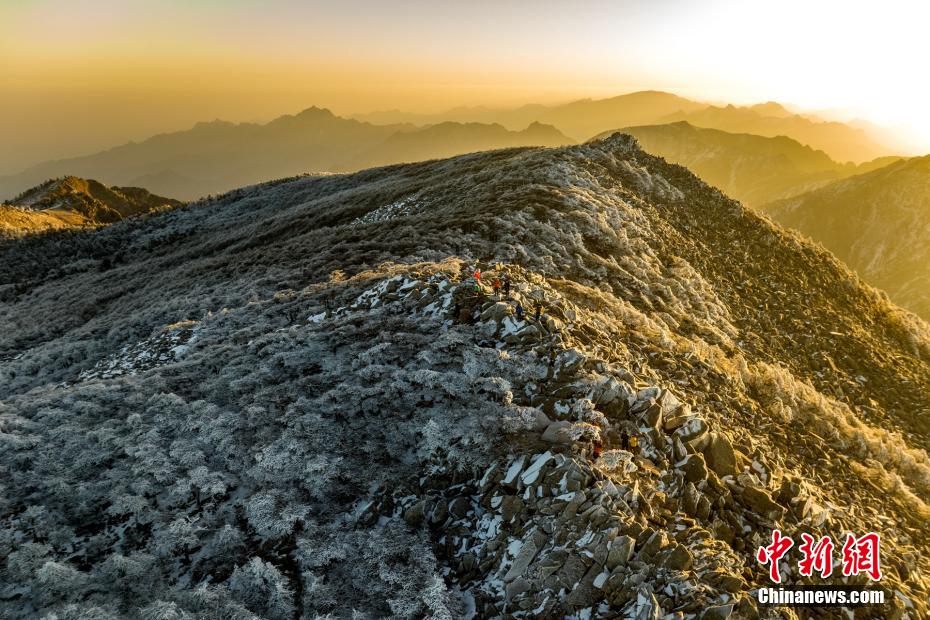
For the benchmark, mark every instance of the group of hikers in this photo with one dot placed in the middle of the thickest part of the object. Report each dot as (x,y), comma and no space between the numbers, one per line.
(626,441)
(502,285)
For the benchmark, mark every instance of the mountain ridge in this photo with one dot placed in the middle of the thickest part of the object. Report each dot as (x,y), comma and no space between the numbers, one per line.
(355,422)
(72,202)
(585,118)
(751,168)
(218,155)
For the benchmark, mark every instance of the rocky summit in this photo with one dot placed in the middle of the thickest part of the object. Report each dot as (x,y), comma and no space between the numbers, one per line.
(572,382)
(71,202)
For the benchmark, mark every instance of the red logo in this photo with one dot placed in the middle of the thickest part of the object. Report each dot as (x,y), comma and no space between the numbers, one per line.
(860,555)
(817,557)
(774,552)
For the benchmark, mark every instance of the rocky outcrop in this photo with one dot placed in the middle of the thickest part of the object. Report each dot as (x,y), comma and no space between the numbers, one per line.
(553,529)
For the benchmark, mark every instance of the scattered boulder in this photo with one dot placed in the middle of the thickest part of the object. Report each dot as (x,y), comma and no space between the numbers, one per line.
(694,468)
(691,429)
(679,558)
(759,501)
(718,612)
(526,554)
(496,312)
(558,432)
(621,550)
(720,456)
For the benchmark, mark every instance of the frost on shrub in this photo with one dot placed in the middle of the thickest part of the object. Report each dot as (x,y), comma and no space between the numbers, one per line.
(519,419)
(263,589)
(617,461)
(582,431)
(57,582)
(271,516)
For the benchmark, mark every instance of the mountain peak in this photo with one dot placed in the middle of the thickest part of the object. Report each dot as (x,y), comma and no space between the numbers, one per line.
(315,112)
(771,108)
(90,199)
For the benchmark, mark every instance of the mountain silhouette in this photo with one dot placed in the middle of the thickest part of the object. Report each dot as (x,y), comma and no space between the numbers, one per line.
(750,168)
(587,118)
(448,139)
(841,142)
(877,223)
(218,156)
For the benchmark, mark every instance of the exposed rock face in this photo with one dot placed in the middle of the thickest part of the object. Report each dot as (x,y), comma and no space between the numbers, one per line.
(350,421)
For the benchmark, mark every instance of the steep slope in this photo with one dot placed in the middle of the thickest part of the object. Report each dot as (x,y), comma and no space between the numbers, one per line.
(753,169)
(295,400)
(841,142)
(877,223)
(448,139)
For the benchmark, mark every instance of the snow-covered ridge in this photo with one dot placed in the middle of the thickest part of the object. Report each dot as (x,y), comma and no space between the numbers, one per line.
(335,444)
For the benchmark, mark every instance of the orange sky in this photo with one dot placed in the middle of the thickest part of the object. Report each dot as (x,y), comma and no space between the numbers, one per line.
(81,76)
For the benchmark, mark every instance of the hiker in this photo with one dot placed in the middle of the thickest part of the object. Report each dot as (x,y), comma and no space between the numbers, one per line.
(519,312)
(538,311)
(477,274)
(496,285)
(507,286)
(596,449)
(634,444)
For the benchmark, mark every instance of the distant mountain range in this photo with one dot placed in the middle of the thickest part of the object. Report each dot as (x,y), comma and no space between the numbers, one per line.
(451,138)
(878,223)
(753,169)
(579,119)
(587,118)
(218,156)
(841,142)
(72,202)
